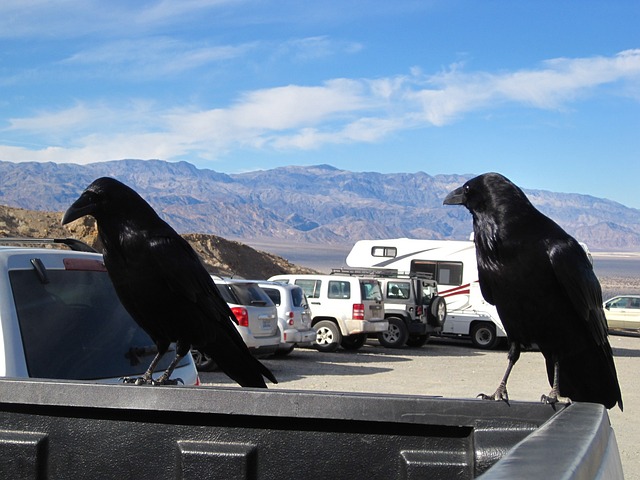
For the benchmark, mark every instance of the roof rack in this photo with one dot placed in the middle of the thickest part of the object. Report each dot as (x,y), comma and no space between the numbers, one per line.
(73,243)
(390,272)
(364,272)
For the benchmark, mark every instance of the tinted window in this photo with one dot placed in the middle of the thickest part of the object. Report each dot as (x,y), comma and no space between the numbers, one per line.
(297,297)
(75,328)
(274,295)
(339,289)
(446,273)
(390,252)
(227,294)
(250,294)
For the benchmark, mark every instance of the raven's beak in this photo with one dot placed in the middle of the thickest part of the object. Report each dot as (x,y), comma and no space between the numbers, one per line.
(457,197)
(84,205)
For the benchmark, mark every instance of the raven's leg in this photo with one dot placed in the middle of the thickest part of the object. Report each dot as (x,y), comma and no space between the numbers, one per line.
(552,398)
(147,377)
(501,391)
(182,349)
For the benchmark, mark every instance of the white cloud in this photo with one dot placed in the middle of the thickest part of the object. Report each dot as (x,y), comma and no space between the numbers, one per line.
(78,18)
(306,117)
(154,56)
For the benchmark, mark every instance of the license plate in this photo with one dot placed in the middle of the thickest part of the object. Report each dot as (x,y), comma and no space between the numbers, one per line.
(266,324)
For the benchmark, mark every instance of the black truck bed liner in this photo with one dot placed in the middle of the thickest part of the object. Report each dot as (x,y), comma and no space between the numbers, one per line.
(52,429)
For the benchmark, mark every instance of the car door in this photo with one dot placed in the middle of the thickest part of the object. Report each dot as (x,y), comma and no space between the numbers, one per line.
(617,312)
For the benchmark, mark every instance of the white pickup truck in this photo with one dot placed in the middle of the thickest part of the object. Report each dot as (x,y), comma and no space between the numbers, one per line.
(60,318)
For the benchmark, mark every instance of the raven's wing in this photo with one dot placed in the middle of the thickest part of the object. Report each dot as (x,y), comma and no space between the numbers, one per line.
(186,277)
(575,274)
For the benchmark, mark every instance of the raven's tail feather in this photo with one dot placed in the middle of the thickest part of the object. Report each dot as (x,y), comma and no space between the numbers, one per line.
(239,365)
(589,376)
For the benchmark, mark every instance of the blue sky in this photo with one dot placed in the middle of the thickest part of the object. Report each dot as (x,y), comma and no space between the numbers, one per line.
(545,92)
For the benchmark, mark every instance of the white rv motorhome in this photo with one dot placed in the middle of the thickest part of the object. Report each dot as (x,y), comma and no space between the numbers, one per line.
(453,265)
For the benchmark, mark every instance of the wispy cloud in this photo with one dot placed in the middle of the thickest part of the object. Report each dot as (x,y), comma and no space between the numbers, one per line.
(151,57)
(77,18)
(308,117)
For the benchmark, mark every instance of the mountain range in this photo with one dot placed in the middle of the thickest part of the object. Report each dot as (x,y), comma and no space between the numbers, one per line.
(313,204)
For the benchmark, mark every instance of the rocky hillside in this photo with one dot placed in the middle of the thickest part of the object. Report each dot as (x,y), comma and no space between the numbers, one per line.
(319,204)
(222,257)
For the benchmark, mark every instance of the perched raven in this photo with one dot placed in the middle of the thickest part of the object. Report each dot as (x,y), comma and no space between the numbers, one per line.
(543,286)
(162,283)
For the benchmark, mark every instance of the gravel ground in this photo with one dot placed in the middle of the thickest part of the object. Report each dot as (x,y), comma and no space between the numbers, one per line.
(454,370)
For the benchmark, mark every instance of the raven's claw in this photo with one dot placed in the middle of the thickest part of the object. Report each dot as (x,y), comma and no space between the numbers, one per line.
(169,381)
(500,394)
(136,380)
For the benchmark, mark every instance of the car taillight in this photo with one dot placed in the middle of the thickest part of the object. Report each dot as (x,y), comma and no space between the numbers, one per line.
(419,310)
(241,315)
(358,311)
(290,315)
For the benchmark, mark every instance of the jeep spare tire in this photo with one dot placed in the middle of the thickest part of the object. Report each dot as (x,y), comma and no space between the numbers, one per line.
(437,311)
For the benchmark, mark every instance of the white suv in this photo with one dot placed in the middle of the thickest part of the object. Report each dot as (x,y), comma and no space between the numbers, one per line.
(344,309)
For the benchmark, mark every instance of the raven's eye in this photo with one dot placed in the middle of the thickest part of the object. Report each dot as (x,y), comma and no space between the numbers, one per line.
(467,188)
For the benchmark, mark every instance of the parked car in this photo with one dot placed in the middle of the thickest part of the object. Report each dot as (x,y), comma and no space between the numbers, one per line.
(623,312)
(60,318)
(344,309)
(255,314)
(294,317)
(413,309)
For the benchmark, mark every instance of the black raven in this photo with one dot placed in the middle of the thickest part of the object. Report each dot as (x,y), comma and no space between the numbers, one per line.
(542,283)
(162,283)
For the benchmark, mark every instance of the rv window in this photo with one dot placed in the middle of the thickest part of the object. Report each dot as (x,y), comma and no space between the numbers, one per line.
(389,252)
(445,273)
(425,266)
(450,273)
(339,289)
(311,287)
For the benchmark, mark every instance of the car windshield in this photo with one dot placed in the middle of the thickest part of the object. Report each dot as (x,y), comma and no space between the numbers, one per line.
(74,327)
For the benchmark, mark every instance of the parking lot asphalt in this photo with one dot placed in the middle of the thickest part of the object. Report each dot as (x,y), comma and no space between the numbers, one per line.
(451,369)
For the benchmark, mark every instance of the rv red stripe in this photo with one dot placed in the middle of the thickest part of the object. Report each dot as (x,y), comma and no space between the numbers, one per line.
(460,290)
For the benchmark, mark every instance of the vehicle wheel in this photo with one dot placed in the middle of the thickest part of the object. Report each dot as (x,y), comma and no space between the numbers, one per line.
(328,336)
(417,340)
(483,335)
(204,363)
(437,311)
(283,352)
(353,342)
(396,335)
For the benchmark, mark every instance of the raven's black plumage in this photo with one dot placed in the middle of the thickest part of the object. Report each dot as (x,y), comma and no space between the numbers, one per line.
(162,283)
(544,288)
